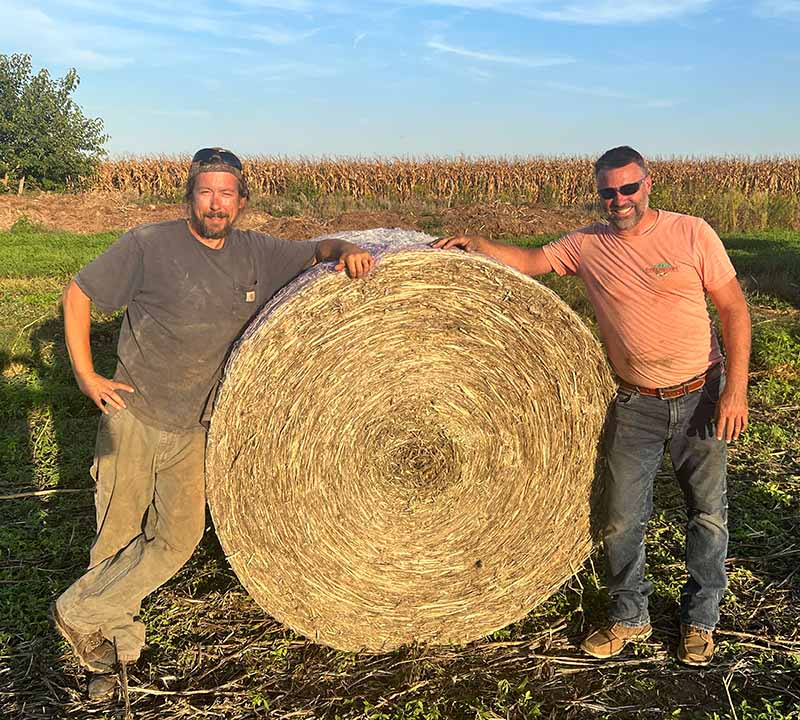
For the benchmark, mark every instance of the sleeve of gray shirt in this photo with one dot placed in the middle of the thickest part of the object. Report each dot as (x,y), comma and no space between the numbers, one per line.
(112,279)
(291,257)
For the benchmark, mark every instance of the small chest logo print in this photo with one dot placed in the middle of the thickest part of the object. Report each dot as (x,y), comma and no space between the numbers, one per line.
(661,269)
(250,296)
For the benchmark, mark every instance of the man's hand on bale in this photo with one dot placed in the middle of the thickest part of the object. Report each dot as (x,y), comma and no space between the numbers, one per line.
(468,243)
(356,261)
(102,391)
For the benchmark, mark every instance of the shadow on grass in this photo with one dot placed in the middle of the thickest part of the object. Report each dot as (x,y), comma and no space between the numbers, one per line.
(47,447)
(47,444)
(764,538)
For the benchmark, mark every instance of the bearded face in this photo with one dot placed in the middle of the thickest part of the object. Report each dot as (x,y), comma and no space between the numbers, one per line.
(215,204)
(212,225)
(625,212)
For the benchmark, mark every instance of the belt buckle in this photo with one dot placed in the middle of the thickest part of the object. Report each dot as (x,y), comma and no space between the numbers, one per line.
(672,392)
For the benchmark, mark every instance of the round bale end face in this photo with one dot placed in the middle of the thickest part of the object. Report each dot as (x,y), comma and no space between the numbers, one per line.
(411,457)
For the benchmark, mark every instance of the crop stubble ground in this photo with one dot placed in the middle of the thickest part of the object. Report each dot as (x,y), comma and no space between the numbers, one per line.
(213,653)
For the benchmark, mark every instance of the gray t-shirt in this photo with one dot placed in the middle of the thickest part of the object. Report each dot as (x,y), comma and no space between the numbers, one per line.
(186,304)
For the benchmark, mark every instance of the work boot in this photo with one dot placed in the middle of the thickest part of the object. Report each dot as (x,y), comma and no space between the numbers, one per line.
(102,686)
(696,646)
(93,651)
(608,641)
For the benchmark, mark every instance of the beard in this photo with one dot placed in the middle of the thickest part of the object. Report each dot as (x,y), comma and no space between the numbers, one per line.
(205,229)
(628,221)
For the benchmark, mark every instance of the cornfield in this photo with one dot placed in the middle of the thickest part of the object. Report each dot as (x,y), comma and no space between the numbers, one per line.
(553,180)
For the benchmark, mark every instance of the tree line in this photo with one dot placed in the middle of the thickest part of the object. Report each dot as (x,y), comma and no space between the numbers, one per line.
(46,141)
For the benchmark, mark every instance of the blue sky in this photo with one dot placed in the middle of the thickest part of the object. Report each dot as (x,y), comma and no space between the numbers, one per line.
(417,78)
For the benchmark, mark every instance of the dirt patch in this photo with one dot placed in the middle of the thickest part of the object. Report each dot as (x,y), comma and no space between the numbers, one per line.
(85,212)
(98,212)
(506,219)
(300,227)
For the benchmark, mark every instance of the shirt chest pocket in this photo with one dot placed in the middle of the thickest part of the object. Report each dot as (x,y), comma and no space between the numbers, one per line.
(246,300)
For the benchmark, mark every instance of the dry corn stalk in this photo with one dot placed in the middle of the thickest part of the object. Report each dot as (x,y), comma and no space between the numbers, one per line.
(561,180)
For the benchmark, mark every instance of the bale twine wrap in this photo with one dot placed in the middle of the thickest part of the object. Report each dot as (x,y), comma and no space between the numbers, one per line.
(411,456)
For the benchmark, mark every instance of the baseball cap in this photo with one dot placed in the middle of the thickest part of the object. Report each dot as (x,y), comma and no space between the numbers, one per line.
(217,159)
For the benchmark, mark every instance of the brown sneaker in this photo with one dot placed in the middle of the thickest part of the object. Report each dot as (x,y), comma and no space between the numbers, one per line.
(696,646)
(93,651)
(605,642)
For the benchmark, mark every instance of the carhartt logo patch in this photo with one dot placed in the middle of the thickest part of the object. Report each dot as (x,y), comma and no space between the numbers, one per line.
(250,296)
(661,269)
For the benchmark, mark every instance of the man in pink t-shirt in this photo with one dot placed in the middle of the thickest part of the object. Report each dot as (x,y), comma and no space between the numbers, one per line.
(647,274)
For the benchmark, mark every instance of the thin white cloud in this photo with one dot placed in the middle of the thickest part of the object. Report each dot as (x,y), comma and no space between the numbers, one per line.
(624,12)
(662,103)
(613,65)
(439,26)
(498,58)
(778,8)
(181,16)
(279,36)
(181,113)
(296,6)
(287,70)
(479,74)
(587,12)
(194,18)
(83,57)
(27,29)
(608,93)
(243,52)
(358,38)
(601,92)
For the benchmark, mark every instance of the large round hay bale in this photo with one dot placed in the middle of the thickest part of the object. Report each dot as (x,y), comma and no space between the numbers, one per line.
(411,456)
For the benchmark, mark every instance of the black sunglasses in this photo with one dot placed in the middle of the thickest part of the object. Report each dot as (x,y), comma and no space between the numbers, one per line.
(217,156)
(609,193)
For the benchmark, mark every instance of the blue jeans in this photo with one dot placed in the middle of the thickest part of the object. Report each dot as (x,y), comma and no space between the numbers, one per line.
(641,428)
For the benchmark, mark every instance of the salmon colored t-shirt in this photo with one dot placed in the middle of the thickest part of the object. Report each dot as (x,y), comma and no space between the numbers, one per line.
(648,293)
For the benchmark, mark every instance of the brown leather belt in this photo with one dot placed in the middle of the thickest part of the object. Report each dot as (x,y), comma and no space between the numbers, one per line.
(674,391)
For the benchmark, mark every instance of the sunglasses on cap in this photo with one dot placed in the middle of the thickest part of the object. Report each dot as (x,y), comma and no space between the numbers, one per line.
(217,156)
(609,193)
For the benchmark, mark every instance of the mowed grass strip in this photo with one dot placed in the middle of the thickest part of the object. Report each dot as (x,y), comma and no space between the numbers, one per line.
(28,251)
(206,633)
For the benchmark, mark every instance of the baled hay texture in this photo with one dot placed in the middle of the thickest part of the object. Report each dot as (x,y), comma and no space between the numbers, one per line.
(408,457)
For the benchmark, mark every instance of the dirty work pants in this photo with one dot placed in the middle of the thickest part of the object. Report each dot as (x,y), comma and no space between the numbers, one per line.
(641,428)
(150,504)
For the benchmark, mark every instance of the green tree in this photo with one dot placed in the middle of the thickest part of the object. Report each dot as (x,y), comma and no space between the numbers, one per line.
(45,139)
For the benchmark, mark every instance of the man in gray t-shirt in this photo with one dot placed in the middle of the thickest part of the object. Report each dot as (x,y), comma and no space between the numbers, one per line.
(189,288)
(186,302)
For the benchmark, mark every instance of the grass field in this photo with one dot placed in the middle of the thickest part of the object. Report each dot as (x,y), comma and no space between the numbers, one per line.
(214,654)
